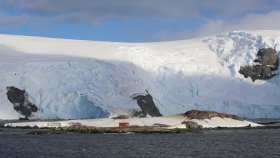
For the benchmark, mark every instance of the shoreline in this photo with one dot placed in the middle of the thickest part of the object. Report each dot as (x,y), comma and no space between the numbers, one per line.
(124,130)
(191,121)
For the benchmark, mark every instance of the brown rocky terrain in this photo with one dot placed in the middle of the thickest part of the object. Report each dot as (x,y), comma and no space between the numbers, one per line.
(121,117)
(197,114)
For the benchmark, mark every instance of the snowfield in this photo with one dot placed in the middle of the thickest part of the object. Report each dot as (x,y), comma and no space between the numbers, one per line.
(171,121)
(75,79)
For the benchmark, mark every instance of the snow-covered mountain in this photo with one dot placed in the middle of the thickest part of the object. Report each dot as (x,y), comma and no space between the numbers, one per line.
(74,79)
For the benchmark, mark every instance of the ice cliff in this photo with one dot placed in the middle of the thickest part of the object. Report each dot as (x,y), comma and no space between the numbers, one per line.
(74,79)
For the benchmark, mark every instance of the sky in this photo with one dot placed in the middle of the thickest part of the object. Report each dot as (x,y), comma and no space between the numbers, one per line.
(135,20)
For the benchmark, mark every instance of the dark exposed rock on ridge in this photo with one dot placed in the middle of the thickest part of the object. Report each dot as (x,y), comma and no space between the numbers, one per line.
(19,99)
(196,114)
(267,61)
(147,105)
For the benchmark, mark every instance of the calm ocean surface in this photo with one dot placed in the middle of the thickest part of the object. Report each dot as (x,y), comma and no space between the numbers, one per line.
(256,143)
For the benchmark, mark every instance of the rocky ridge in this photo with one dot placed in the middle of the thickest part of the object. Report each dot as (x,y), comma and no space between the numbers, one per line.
(201,115)
(264,66)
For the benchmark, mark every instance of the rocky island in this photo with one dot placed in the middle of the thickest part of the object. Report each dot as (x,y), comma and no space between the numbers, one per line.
(190,121)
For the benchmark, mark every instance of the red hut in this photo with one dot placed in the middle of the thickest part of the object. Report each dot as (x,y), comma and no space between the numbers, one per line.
(123,124)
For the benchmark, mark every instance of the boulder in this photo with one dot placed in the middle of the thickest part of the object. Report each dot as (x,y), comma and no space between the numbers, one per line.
(190,125)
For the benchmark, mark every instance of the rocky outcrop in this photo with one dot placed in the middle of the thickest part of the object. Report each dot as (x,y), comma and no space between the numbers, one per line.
(121,117)
(138,113)
(201,115)
(147,105)
(267,61)
(19,99)
(191,125)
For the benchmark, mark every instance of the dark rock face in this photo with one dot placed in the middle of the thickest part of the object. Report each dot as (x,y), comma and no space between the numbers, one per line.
(266,63)
(19,99)
(147,105)
(201,115)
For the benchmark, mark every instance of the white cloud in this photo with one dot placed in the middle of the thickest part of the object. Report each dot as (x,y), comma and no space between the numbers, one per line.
(268,21)
(265,21)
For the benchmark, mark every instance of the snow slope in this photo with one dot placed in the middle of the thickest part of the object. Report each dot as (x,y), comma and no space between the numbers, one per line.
(74,79)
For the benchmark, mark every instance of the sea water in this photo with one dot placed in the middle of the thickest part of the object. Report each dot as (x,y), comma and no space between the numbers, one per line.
(255,143)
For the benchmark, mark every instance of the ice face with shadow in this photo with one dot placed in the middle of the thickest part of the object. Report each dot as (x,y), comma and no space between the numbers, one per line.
(71,79)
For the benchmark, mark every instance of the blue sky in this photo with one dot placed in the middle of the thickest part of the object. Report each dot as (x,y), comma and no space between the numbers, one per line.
(135,21)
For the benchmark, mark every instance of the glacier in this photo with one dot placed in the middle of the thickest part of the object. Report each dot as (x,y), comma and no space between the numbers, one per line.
(76,79)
